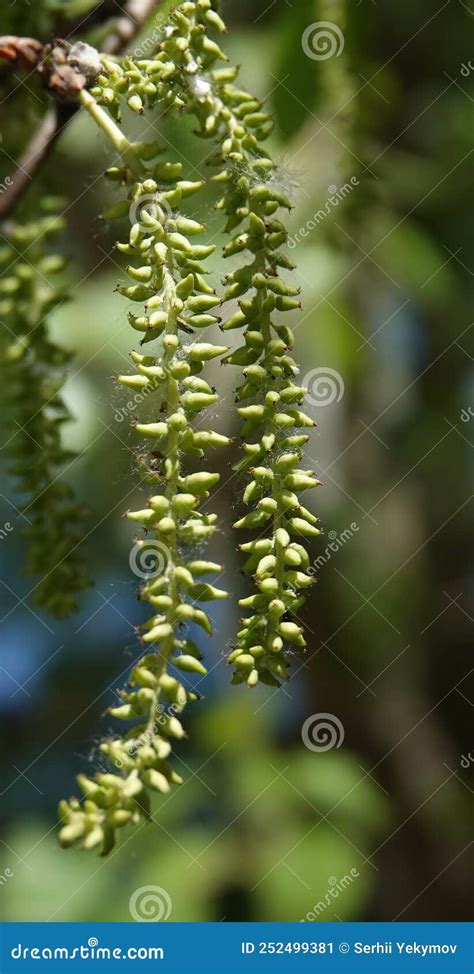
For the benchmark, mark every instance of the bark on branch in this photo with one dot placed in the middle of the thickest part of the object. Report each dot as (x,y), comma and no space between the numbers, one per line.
(64,81)
(26,52)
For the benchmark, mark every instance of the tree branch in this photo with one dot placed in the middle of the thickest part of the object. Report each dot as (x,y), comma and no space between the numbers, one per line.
(127,27)
(31,160)
(24,51)
(28,53)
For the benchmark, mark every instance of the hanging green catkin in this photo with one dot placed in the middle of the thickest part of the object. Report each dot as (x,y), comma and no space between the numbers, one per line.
(183,74)
(175,301)
(33,370)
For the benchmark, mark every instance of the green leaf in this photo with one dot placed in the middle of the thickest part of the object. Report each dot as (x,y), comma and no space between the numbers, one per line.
(70,8)
(299,91)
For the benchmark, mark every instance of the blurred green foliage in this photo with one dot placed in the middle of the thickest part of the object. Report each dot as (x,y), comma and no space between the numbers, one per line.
(386,304)
(202,865)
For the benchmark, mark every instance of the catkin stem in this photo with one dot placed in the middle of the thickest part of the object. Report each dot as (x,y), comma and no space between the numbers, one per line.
(113,132)
(172,403)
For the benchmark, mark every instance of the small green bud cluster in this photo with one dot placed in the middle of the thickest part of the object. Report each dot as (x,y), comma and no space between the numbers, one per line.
(186,45)
(168,280)
(33,367)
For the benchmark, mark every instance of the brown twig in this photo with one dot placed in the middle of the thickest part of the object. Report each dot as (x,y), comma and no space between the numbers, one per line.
(29,53)
(23,51)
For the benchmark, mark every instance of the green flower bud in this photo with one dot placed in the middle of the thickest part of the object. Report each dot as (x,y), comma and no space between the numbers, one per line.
(255,519)
(243,356)
(266,566)
(156,430)
(183,504)
(143,517)
(156,780)
(174,728)
(159,504)
(300,481)
(204,567)
(183,576)
(203,352)
(185,287)
(205,593)
(135,103)
(157,633)
(202,302)
(189,664)
(299,526)
(69,834)
(167,525)
(195,401)
(133,381)
(140,273)
(144,677)
(245,661)
(200,483)
(209,438)
(167,170)
(289,630)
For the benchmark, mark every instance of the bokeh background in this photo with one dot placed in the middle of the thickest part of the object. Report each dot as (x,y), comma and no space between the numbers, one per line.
(264,828)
